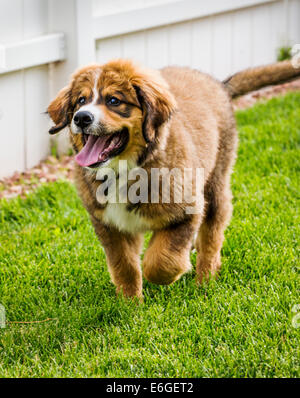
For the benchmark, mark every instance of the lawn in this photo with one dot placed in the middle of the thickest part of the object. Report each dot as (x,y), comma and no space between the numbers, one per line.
(53,269)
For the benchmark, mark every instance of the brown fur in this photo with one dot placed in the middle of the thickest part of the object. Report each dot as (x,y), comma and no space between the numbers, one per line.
(260,76)
(176,118)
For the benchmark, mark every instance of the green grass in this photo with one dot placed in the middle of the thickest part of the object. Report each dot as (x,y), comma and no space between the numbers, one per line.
(238,326)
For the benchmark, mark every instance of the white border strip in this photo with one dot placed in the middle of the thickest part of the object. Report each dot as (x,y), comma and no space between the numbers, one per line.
(37,51)
(158,15)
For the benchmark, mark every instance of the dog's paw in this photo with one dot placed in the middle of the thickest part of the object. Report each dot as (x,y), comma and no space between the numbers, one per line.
(207,269)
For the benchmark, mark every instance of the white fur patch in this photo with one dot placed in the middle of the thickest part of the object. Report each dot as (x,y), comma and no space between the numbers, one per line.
(117,215)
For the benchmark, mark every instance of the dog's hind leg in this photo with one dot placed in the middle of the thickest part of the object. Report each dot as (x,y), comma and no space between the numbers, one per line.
(218,207)
(211,234)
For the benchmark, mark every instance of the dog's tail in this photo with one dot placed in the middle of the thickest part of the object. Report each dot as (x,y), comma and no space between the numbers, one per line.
(260,76)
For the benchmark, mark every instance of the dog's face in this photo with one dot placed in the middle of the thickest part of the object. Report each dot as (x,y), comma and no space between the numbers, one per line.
(113,110)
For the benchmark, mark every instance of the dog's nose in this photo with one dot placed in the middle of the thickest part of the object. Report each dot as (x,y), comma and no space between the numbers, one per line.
(83,119)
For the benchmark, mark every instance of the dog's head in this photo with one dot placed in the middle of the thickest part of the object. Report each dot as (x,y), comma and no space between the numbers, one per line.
(116,109)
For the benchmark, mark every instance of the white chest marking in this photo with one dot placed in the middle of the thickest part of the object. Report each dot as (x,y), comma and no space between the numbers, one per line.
(116,214)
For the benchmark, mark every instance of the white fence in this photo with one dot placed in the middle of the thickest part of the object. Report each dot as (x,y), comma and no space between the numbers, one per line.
(216,36)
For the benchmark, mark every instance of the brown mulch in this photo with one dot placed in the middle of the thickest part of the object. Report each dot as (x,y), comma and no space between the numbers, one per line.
(53,169)
(50,169)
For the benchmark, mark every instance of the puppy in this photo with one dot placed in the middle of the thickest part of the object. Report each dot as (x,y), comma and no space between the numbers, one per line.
(172,119)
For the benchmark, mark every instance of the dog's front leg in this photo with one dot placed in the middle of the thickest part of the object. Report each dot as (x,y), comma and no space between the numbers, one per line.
(168,254)
(123,258)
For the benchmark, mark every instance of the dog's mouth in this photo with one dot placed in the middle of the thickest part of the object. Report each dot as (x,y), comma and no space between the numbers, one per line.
(98,149)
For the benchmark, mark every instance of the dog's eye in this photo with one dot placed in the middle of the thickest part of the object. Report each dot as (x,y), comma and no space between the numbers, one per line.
(81,100)
(113,101)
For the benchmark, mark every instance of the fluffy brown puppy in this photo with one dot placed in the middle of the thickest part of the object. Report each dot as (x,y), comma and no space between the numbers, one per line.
(176,118)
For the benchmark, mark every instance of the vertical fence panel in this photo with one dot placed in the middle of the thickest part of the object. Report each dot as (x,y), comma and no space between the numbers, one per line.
(11,123)
(157,47)
(108,49)
(36,89)
(222,46)
(62,17)
(11,95)
(180,44)
(294,21)
(279,36)
(11,20)
(36,98)
(241,40)
(261,36)
(202,44)
(134,46)
(84,29)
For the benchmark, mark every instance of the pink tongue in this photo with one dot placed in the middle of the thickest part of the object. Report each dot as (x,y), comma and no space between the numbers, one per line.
(91,151)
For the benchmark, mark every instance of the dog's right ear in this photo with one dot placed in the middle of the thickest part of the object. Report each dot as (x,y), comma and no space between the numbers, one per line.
(156,101)
(59,110)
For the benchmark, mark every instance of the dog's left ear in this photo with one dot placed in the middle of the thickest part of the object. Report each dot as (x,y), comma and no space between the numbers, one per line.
(59,110)
(156,101)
